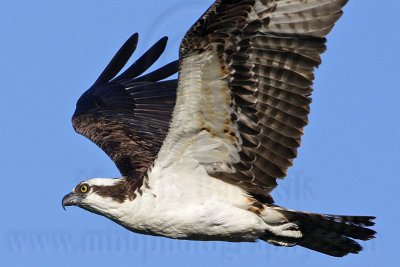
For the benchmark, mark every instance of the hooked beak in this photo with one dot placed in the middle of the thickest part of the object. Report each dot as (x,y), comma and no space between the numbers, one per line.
(71,199)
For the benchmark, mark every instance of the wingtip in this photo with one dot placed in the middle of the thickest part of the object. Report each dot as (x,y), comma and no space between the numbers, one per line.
(134,38)
(119,60)
(145,61)
(132,41)
(162,43)
(164,39)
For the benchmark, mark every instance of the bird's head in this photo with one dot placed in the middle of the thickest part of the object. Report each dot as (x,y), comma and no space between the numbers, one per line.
(98,195)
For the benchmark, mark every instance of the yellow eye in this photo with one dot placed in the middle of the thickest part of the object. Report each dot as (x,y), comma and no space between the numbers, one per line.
(84,188)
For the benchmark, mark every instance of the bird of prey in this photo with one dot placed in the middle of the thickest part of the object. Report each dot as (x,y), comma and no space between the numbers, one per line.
(200,155)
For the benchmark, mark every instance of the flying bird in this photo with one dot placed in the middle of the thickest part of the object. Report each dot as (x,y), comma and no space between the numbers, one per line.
(200,155)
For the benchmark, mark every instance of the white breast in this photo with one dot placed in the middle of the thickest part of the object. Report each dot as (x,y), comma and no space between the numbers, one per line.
(184,202)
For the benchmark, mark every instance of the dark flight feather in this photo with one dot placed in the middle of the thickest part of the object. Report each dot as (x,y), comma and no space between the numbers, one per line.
(118,61)
(145,61)
(129,118)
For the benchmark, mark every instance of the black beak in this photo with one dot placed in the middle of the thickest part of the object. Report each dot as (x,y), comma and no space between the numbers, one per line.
(71,199)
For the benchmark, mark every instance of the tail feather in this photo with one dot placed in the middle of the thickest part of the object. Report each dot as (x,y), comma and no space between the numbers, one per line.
(330,243)
(350,226)
(329,234)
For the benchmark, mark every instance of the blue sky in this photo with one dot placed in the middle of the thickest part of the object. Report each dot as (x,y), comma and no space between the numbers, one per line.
(52,51)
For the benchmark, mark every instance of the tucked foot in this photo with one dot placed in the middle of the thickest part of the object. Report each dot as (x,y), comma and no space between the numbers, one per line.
(286,230)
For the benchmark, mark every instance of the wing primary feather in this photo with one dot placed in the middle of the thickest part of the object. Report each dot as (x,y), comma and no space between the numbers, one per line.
(118,61)
(144,62)
(160,74)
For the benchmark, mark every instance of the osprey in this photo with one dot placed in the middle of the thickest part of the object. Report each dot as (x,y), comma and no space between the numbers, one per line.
(200,155)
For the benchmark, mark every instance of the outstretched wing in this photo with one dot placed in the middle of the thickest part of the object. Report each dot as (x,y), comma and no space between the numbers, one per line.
(246,71)
(128,116)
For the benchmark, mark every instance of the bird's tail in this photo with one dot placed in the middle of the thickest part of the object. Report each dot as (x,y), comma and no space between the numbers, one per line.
(329,234)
